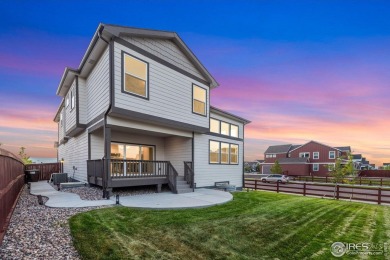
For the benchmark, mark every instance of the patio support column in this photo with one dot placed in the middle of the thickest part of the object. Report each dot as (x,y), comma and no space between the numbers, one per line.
(107,156)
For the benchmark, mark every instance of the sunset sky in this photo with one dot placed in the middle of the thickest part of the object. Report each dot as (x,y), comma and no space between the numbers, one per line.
(299,70)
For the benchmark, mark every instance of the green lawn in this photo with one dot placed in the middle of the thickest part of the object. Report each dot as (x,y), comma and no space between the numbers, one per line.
(255,225)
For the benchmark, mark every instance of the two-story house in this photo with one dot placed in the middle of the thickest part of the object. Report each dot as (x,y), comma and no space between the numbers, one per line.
(137,112)
(311,158)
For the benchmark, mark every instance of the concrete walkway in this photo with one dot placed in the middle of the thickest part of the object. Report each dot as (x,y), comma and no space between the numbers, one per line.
(199,198)
(58,199)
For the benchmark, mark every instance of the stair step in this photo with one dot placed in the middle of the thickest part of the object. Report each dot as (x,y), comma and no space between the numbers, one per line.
(181,182)
(187,190)
(182,186)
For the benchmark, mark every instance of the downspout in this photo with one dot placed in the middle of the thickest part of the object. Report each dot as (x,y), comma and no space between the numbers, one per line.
(105,158)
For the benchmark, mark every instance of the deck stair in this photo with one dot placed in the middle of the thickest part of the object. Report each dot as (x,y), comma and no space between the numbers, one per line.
(182,185)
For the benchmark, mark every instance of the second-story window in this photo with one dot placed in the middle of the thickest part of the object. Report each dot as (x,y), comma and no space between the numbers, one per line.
(135,76)
(304,155)
(61,119)
(332,155)
(214,125)
(225,128)
(67,102)
(316,155)
(234,130)
(199,100)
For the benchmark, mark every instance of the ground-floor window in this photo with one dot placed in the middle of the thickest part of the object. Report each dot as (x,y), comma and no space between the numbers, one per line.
(130,159)
(316,167)
(223,153)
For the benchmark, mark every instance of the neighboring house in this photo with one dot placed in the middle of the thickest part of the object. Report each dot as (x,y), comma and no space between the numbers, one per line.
(137,112)
(311,158)
(252,165)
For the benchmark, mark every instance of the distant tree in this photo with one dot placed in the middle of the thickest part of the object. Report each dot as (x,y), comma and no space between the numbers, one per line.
(247,168)
(258,168)
(387,167)
(23,155)
(342,169)
(276,168)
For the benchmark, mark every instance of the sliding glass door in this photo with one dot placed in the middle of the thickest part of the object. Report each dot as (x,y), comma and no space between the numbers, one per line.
(136,159)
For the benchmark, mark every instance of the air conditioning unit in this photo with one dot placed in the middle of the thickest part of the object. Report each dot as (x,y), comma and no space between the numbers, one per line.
(58,178)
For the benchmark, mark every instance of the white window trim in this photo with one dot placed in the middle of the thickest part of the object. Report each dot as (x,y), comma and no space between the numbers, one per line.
(318,167)
(146,80)
(67,101)
(334,154)
(205,102)
(304,153)
(318,155)
(72,100)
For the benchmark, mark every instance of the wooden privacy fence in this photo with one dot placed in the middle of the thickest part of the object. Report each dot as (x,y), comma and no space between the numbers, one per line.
(45,169)
(378,195)
(11,183)
(357,180)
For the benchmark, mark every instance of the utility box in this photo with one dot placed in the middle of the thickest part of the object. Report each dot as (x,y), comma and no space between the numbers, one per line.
(32,175)
(58,178)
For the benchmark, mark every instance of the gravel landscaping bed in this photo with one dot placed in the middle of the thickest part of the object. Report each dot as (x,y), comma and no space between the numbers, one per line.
(39,232)
(96,193)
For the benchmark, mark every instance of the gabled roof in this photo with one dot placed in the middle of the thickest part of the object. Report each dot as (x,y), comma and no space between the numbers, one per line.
(225,113)
(105,32)
(284,148)
(295,146)
(344,148)
(316,143)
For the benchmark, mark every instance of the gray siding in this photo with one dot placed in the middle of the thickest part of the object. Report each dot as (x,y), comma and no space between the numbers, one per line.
(166,50)
(82,101)
(75,153)
(231,121)
(98,88)
(97,145)
(178,150)
(207,174)
(70,113)
(170,93)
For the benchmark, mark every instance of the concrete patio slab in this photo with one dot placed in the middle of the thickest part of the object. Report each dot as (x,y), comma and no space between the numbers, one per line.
(198,199)
(58,199)
(166,200)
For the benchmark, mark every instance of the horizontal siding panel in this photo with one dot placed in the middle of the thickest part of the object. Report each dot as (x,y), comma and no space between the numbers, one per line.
(75,153)
(207,174)
(70,114)
(177,151)
(98,87)
(170,92)
(166,50)
(97,145)
(83,101)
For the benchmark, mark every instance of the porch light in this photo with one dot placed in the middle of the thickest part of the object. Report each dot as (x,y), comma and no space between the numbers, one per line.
(117,199)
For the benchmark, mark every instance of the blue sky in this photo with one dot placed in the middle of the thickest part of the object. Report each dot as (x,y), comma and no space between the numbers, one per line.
(300,70)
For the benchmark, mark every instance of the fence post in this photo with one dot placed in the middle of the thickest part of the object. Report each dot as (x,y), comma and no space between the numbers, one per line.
(255,184)
(381,181)
(326,179)
(277,187)
(337,191)
(312,178)
(379,195)
(360,180)
(304,189)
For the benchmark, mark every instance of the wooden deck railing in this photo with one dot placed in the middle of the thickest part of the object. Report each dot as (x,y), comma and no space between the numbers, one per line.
(130,169)
(11,183)
(379,195)
(138,169)
(189,174)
